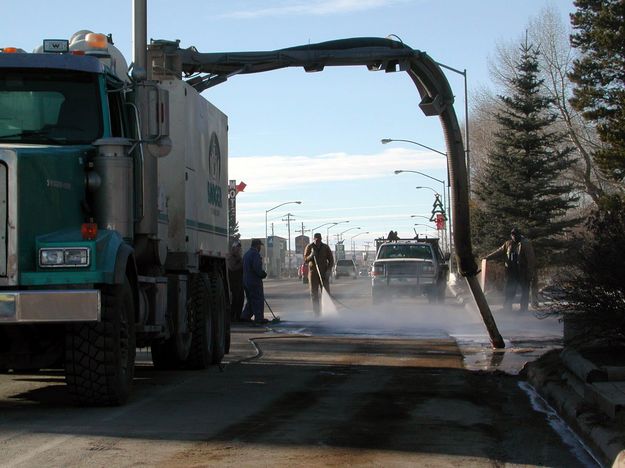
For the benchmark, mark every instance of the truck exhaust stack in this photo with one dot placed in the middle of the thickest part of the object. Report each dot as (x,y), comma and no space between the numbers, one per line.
(139,34)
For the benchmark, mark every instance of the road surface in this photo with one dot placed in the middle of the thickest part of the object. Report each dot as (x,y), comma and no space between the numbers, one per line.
(407,384)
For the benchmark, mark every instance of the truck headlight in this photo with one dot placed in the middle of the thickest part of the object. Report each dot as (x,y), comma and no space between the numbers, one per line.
(77,257)
(65,257)
(51,257)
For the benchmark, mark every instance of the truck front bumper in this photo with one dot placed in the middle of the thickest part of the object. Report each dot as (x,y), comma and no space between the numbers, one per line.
(74,305)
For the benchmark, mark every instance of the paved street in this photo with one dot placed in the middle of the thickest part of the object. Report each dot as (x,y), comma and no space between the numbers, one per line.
(394,386)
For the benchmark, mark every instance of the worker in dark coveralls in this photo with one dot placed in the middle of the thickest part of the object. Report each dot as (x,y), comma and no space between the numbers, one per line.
(253,275)
(320,260)
(520,263)
(234,263)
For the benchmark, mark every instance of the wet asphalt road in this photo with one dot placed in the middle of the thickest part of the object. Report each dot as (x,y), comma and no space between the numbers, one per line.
(359,386)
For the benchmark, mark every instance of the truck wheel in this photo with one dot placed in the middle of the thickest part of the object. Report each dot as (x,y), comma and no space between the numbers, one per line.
(218,308)
(174,351)
(100,357)
(201,324)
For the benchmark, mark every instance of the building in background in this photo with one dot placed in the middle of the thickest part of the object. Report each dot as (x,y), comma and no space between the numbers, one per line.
(276,256)
(300,244)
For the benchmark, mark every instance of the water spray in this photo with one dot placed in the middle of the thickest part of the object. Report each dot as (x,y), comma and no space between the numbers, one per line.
(333,299)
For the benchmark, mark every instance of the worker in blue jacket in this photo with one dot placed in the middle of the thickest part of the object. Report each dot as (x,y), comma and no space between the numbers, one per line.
(253,275)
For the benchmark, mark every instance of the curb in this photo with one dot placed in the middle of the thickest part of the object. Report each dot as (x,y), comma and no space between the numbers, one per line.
(551,378)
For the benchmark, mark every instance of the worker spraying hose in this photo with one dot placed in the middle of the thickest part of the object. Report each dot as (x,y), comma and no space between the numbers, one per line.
(320,262)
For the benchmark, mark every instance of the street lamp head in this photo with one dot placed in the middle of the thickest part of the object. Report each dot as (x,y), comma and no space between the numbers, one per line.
(429,188)
(398,171)
(384,141)
(298,202)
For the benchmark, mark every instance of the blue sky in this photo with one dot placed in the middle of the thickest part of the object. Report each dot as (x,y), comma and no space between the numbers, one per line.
(315,137)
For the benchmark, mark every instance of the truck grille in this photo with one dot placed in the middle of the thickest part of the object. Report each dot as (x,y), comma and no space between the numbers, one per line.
(407,269)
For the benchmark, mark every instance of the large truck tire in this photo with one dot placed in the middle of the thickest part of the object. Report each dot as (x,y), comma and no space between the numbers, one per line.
(173,353)
(201,324)
(218,308)
(100,357)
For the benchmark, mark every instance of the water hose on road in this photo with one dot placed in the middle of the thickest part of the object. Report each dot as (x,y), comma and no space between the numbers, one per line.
(276,319)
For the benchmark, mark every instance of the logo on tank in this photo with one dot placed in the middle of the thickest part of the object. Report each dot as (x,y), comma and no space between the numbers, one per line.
(214,172)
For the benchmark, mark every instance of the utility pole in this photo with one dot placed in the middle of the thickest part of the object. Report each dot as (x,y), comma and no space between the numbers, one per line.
(288,224)
(303,244)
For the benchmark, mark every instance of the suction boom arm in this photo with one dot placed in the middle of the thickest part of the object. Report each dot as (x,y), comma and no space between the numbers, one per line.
(376,54)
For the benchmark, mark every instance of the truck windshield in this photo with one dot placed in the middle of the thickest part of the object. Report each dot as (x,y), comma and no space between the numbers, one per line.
(422,251)
(49,107)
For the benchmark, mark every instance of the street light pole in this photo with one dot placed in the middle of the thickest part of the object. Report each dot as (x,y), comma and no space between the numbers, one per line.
(351,239)
(288,223)
(429,188)
(466,121)
(442,182)
(385,141)
(266,236)
(312,231)
(328,230)
(388,140)
(340,238)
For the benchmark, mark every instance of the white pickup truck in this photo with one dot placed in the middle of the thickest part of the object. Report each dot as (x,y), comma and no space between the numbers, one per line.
(412,267)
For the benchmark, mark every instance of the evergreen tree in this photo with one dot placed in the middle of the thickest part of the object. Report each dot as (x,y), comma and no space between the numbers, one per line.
(521,184)
(594,293)
(599,75)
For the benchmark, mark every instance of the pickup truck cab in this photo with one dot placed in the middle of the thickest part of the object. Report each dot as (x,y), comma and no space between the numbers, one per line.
(412,267)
